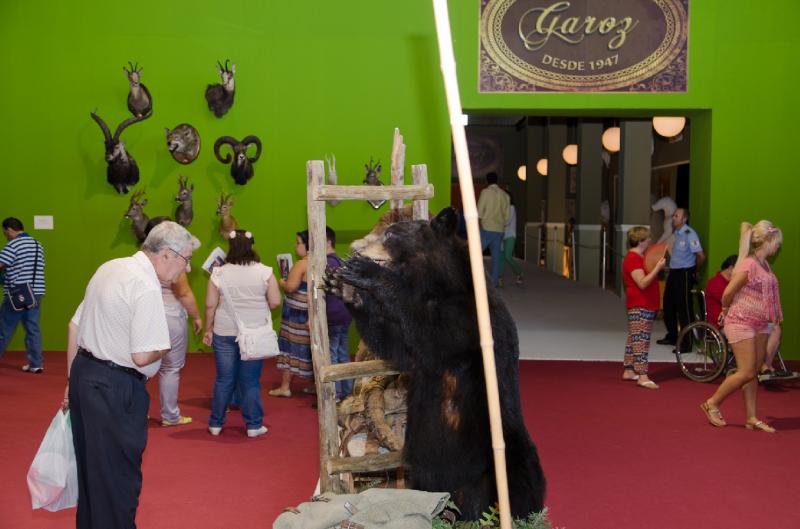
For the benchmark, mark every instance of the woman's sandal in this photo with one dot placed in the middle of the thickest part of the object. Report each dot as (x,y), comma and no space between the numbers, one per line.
(759,426)
(278,392)
(713,415)
(647,385)
(634,377)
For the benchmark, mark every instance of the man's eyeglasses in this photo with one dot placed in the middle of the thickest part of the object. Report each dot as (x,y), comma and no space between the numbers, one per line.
(187,259)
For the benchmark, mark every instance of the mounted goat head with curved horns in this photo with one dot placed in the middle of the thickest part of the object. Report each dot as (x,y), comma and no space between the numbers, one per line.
(139,100)
(220,96)
(242,166)
(122,171)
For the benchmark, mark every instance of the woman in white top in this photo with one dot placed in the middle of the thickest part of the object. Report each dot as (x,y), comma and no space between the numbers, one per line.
(253,291)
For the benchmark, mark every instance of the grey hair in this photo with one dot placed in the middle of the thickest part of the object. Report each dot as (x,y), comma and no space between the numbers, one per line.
(172,235)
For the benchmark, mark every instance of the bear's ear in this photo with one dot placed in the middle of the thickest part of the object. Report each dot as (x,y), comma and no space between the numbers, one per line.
(445,222)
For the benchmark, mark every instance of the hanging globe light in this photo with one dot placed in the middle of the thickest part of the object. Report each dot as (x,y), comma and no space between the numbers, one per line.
(541,167)
(522,173)
(669,126)
(570,154)
(611,139)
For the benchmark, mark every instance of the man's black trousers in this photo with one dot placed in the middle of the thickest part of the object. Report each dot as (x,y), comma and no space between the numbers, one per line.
(108,408)
(678,300)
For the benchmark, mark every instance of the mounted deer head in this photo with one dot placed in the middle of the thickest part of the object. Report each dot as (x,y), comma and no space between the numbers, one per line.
(136,214)
(139,100)
(372,179)
(185,213)
(220,96)
(226,221)
(242,166)
(122,171)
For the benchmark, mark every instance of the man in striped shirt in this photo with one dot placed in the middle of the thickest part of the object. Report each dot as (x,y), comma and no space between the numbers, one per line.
(17,260)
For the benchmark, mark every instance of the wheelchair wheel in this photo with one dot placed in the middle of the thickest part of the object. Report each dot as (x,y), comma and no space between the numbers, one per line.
(701,351)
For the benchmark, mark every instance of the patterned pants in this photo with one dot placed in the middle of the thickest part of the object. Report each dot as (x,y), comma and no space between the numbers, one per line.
(637,346)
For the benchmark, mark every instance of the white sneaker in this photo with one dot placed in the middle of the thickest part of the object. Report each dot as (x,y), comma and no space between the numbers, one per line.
(257,432)
(519,279)
(30,369)
(214,430)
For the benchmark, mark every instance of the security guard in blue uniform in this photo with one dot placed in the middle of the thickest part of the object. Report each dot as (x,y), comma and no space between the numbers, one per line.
(686,258)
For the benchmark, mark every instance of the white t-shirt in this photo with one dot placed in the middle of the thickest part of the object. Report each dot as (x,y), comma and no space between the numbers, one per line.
(122,313)
(247,285)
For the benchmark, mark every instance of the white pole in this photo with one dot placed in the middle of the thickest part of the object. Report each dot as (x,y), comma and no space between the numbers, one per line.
(448,64)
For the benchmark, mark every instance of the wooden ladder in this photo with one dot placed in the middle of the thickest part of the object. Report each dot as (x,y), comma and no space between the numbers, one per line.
(331,464)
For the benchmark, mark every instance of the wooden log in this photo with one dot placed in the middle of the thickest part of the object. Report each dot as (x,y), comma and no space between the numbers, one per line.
(371,463)
(414,192)
(350,370)
(318,329)
(398,165)
(420,175)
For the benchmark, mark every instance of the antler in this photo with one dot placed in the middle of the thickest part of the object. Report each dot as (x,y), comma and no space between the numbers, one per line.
(136,196)
(222,140)
(249,140)
(103,126)
(122,126)
(183,181)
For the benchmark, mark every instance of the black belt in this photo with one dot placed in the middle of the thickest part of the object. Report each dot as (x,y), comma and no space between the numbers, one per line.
(131,371)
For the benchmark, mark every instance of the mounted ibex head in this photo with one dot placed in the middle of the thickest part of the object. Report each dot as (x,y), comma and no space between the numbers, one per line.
(185,213)
(372,179)
(220,96)
(226,222)
(122,171)
(184,143)
(139,100)
(136,214)
(242,166)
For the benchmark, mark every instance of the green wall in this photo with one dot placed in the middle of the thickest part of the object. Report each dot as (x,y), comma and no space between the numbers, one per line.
(312,78)
(742,82)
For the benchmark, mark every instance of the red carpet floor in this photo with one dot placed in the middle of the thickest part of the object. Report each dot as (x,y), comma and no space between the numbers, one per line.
(616,456)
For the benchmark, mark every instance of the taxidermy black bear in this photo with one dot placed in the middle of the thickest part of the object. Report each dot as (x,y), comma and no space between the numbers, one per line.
(411,296)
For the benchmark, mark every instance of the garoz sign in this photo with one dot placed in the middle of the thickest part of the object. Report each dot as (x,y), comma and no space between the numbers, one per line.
(583,45)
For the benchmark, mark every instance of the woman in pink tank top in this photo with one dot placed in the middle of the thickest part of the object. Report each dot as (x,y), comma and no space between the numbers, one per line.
(750,302)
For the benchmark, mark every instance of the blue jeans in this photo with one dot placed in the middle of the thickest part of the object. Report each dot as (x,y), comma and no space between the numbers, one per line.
(232,372)
(337,337)
(9,318)
(494,240)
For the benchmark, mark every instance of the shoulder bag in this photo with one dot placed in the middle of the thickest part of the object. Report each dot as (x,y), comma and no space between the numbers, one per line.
(254,343)
(21,294)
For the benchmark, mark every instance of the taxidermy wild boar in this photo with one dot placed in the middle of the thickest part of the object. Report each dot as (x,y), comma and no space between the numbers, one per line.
(242,166)
(122,171)
(220,96)
(139,100)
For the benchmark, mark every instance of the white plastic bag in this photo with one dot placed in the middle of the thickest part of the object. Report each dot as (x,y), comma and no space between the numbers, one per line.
(53,476)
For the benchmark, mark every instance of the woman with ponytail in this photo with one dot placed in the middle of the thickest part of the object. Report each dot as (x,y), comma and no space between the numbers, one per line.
(751,302)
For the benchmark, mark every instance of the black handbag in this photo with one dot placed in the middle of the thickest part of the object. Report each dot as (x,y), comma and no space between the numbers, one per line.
(21,295)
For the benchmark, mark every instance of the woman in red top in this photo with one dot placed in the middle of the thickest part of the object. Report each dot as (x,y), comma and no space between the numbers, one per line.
(642,300)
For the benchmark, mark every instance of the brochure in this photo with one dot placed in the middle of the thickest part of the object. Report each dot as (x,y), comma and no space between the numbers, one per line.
(215,258)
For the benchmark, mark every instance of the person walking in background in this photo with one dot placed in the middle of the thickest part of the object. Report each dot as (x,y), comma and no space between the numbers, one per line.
(118,337)
(686,259)
(22,260)
(509,240)
(751,302)
(242,288)
(178,301)
(294,341)
(339,319)
(642,301)
(493,212)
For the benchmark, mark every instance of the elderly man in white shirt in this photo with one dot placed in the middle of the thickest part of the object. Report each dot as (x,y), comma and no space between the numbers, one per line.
(117,339)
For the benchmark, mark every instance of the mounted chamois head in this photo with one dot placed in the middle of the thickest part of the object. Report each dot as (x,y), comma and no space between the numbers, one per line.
(136,214)
(122,171)
(242,166)
(139,100)
(226,222)
(185,213)
(220,96)
(372,179)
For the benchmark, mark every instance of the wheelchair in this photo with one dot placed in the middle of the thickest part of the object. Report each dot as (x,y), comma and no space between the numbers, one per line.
(703,353)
